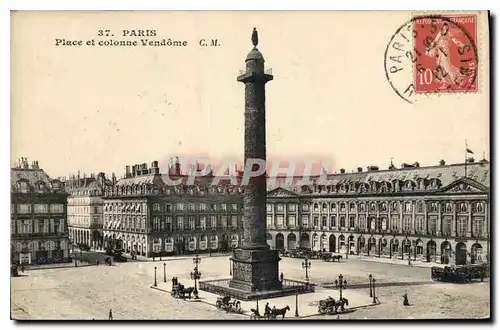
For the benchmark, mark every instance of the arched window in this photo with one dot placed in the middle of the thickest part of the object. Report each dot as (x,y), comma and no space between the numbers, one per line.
(373,207)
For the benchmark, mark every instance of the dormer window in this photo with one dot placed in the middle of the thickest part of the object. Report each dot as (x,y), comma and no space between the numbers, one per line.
(23,187)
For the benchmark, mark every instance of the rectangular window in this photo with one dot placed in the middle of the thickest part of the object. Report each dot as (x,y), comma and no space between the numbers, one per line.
(394,223)
(305,220)
(352,207)
(352,221)
(406,223)
(23,208)
(269,207)
(269,221)
(12,227)
(213,221)
(408,207)
(432,225)
(223,207)
(234,221)
(180,223)
(292,207)
(362,222)
(191,207)
(56,208)
(223,219)
(203,222)
(280,220)
(447,222)
(192,223)
(462,226)
(156,224)
(292,220)
(168,208)
(168,223)
(203,206)
(362,207)
(179,207)
(478,224)
(213,207)
(305,207)
(316,221)
(342,221)
(40,208)
(280,208)
(156,207)
(324,221)
(234,207)
(61,225)
(333,221)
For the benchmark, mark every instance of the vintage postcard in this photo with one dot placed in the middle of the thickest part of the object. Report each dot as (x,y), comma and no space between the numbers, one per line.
(250,165)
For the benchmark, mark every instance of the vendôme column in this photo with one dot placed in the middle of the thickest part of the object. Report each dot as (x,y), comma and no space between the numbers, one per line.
(255,266)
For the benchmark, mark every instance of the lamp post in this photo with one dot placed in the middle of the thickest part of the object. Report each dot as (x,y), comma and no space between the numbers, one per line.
(373,286)
(409,254)
(257,307)
(296,304)
(370,277)
(196,275)
(341,284)
(165,272)
(347,249)
(306,264)
(230,267)
(156,284)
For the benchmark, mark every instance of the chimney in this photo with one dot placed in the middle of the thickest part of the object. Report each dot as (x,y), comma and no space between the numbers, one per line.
(113,178)
(372,168)
(360,169)
(470,160)
(127,171)
(442,162)
(416,164)
(406,165)
(177,167)
(342,170)
(154,167)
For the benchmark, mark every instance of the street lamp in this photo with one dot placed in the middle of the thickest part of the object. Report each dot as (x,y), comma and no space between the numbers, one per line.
(296,304)
(230,267)
(196,275)
(347,250)
(409,253)
(341,284)
(165,272)
(370,277)
(156,284)
(373,286)
(306,264)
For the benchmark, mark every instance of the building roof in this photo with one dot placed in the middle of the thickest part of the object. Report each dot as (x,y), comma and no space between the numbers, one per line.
(36,180)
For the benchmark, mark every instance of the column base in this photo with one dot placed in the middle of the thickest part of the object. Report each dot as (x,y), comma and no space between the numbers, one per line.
(255,270)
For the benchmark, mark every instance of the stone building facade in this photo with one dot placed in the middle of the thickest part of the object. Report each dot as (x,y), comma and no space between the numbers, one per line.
(39,229)
(144,215)
(430,213)
(85,209)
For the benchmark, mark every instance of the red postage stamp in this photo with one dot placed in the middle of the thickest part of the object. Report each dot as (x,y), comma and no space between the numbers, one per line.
(446,52)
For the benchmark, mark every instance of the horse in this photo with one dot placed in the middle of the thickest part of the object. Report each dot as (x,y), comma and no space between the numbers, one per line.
(187,291)
(281,311)
(340,303)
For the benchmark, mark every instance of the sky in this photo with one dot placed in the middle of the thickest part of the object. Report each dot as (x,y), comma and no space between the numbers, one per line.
(93,109)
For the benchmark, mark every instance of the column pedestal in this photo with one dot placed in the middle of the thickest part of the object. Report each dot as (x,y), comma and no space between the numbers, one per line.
(255,270)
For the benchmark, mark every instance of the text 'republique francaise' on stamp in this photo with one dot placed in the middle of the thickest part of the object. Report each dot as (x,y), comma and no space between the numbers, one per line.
(433,54)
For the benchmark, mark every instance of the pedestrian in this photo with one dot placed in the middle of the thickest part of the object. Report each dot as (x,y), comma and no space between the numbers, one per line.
(405,300)
(110,314)
(153,258)
(22,268)
(281,277)
(97,263)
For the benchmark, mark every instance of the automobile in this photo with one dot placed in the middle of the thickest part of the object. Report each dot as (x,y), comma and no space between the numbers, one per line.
(119,258)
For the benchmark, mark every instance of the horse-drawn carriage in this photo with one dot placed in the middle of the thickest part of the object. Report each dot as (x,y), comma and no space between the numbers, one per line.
(269,313)
(226,304)
(299,253)
(330,305)
(462,274)
(180,291)
(328,256)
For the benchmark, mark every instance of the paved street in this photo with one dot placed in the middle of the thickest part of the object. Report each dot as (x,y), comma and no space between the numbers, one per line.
(89,292)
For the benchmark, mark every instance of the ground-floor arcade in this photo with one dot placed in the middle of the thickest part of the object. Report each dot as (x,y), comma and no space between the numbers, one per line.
(90,237)
(430,249)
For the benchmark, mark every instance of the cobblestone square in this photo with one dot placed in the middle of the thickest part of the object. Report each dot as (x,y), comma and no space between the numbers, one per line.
(89,292)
